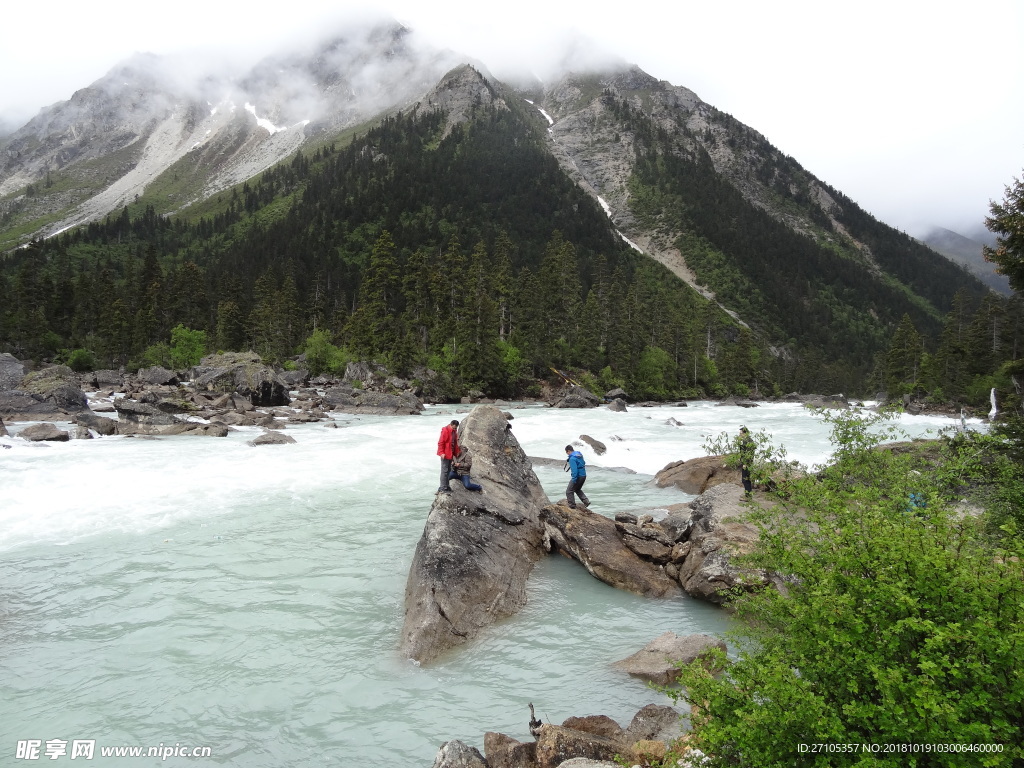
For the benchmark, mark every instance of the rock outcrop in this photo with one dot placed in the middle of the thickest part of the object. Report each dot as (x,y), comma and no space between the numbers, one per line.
(578,397)
(719,530)
(692,547)
(57,386)
(159,376)
(695,476)
(348,400)
(477,549)
(243,373)
(593,541)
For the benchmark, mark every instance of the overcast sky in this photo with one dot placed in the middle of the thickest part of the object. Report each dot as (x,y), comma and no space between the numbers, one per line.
(915,110)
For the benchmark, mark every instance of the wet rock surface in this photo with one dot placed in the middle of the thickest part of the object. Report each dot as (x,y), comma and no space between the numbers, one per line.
(477,549)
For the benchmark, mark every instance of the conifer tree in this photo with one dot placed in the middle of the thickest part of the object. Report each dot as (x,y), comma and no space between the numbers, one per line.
(903,360)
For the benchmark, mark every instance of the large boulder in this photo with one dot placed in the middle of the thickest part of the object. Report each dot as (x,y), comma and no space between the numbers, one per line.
(241,373)
(719,530)
(828,402)
(657,661)
(57,385)
(596,445)
(106,378)
(12,371)
(272,438)
(616,394)
(16,405)
(594,541)
(578,397)
(158,376)
(477,549)
(135,412)
(695,476)
(3,429)
(100,424)
(38,433)
(348,400)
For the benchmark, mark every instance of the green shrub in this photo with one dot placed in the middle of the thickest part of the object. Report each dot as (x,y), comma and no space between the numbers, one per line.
(901,623)
(187,347)
(322,356)
(81,360)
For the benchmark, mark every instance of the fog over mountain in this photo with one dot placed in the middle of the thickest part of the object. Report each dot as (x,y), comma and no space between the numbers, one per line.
(904,107)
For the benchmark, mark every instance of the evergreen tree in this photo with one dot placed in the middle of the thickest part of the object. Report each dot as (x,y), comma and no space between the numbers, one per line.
(1007,222)
(903,360)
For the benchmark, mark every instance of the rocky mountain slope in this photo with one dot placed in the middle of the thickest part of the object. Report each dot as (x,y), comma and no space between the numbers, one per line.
(145,126)
(682,182)
(968,252)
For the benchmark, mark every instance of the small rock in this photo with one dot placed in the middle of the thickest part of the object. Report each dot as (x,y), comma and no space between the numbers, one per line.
(272,438)
(657,660)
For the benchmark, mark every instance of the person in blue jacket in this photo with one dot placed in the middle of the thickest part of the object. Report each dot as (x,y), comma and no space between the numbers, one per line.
(578,468)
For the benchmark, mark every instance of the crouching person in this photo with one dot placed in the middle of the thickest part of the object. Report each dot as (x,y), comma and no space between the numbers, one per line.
(461,468)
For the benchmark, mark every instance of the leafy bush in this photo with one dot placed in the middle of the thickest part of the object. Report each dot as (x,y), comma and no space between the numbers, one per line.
(322,356)
(902,623)
(81,360)
(187,347)
(153,355)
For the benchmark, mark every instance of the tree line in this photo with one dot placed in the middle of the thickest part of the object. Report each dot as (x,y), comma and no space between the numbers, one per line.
(463,249)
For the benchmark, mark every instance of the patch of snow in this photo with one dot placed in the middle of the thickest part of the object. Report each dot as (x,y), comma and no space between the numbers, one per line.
(528,102)
(550,119)
(263,122)
(604,204)
(629,242)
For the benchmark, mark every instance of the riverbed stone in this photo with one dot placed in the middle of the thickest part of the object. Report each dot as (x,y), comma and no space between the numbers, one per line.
(556,744)
(135,412)
(656,662)
(456,754)
(99,424)
(655,721)
(272,438)
(478,548)
(502,751)
(44,432)
(58,386)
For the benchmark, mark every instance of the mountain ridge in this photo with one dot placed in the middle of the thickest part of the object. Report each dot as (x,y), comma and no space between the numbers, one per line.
(801,271)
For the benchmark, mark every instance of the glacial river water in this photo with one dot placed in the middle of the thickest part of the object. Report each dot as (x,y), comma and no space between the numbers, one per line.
(200,592)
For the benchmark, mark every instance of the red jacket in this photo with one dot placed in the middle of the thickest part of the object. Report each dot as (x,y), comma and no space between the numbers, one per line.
(448,443)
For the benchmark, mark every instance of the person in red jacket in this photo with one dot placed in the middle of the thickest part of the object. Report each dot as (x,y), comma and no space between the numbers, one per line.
(448,449)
